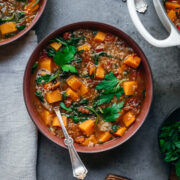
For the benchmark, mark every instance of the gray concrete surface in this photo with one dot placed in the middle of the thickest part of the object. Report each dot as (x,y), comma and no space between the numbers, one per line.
(138,158)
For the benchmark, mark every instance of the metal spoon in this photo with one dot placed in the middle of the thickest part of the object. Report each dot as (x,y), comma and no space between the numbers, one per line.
(79,170)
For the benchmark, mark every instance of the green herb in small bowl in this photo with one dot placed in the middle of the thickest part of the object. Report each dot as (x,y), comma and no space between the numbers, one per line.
(169,140)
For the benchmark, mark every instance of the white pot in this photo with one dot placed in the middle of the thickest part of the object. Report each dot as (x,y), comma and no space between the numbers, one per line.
(174,37)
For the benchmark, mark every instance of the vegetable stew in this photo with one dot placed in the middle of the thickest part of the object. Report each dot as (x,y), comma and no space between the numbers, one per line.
(16,15)
(95,79)
(173,11)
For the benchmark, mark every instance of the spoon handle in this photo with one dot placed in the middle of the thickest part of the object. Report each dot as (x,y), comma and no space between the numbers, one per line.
(79,170)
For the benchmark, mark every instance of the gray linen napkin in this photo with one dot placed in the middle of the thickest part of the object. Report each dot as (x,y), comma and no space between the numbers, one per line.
(18,135)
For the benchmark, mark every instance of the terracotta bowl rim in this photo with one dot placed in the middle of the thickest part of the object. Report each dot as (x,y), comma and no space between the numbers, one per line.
(26,30)
(131,43)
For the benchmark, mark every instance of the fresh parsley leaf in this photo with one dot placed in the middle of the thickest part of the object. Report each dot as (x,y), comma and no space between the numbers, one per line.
(37,1)
(108,95)
(34,67)
(80,52)
(83,101)
(39,95)
(109,82)
(112,113)
(51,52)
(47,78)
(95,112)
(63,106)
(65,56)
(19,15)
(21,27)
(115,127)
(97,56)
(69,68)
(178,168)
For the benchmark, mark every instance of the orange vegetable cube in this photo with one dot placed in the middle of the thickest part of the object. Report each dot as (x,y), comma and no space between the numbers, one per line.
(56,122)
(56,45)
(100,36)
(47,117)
(133,61)
(120,131)
(87,127)
(85,47)
(92,70)
(73,95)
(8,28)
(74,82)
(54,96)
(129,87)
(106,136)
(172,5)
(83,90)
(172,15)
(46,63)
(100,72)
(128,119)
(90,141)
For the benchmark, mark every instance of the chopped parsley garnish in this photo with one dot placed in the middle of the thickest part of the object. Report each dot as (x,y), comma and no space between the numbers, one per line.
(39,95)
(111,113)
(63,106)
(51,52)
(65,56)
(47,78)
(69,68)
(97,56)
(110,86)
(34,67)
(115,127)
(21,27)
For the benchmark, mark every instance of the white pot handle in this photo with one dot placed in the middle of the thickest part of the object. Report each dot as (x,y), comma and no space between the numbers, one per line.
(174,37)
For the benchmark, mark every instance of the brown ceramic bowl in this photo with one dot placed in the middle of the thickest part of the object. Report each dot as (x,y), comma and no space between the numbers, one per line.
(23,32)
(144,65)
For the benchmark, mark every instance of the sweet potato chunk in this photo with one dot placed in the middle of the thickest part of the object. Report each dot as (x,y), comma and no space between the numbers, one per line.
(130,87)
(106,136)
(56,45)
(73,95)
(128,119)
(74,82)
(92,70)
(56,122)
(7,28)
(83,90)
(133,61)
(100,36)
(172,15)
(47,117)
(46,63)
(53,96)
(100,72)
(85,47)
(87,127)
(120,131)
(90,141)
(172,5)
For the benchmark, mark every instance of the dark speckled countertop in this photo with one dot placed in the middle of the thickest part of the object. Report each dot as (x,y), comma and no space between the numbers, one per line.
(138,158)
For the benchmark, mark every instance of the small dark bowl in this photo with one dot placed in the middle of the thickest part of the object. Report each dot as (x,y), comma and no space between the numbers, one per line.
(27,29)
(172,117)
(144,65)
